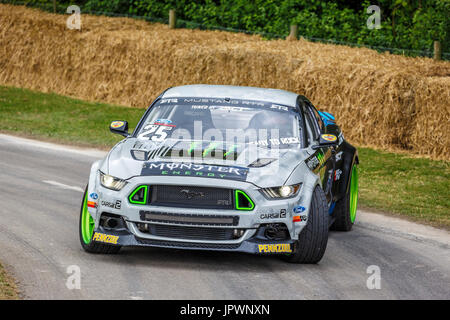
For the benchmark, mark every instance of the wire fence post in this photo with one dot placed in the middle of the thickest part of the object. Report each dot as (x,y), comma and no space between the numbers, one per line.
(437,50)
(54,6)
(172,19)
(293,35)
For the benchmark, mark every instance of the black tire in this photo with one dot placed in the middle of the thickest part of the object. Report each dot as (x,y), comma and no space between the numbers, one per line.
(342,215)
(92,246)
(312,241)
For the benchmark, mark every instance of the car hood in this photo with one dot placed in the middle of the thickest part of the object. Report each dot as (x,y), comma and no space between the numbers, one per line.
(264,167)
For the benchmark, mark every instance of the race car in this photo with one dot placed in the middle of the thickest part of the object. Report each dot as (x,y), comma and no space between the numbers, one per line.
(224,168)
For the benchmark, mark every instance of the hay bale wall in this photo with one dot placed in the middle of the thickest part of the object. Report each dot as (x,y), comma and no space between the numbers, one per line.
(380,100)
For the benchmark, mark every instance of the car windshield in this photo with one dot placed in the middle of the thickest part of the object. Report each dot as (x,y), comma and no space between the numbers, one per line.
(210,119)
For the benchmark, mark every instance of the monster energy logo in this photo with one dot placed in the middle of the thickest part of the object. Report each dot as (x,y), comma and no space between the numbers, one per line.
(315,161)
(320,157)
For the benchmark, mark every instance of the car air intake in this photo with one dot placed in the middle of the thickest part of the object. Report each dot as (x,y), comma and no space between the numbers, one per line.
(191,197)
(191,233)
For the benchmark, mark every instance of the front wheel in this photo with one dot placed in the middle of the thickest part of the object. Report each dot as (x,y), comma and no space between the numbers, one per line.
(345,210)
(87,226)
(313,239)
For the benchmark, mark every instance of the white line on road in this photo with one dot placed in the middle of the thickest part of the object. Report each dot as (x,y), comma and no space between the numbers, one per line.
(63,186)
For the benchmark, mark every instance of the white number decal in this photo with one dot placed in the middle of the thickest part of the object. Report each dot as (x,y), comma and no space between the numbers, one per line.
(155,133)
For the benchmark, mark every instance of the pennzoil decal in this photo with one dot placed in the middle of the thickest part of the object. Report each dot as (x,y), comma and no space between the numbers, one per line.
(160,168)
(275,248)
(106,238)
(117,124)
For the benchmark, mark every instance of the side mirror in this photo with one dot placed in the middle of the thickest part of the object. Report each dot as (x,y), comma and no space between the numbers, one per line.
(326,140)
(119,127)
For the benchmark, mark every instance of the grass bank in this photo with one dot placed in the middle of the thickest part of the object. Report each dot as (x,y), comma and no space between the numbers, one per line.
(8,290)
(415,188)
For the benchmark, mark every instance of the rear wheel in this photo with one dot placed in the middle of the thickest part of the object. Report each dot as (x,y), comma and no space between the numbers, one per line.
(87,226)
(313,239)
(345,210)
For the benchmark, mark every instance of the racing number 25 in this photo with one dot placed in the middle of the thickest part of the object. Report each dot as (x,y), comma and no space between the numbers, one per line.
(155,133)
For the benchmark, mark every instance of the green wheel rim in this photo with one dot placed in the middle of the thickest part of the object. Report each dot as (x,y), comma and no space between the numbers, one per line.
(87,223)
(353,193)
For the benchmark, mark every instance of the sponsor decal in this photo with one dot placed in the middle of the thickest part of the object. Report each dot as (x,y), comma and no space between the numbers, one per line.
(161,168)
(276,142)
(164,122)
(269,216)
(315,161)
(117,124)
(341,138)
(327,118)
(192,194)
(299,209)
(92,204)
(225,104)
(339,156)
(281,214)
(169,101)
(302,218)
(329,137)
(106,238)
(93,196)
(114,205)
(275,248)
(337,174)
(329,181)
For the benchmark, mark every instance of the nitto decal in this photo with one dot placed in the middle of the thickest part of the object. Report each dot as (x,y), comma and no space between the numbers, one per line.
(299,209)
(93,196)
(194,170)
(275,248)
(106,238)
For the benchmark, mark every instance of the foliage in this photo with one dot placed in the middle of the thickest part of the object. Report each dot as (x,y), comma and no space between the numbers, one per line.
(408,24)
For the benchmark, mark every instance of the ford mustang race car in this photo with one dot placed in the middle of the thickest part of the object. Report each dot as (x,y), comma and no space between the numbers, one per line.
(224,168)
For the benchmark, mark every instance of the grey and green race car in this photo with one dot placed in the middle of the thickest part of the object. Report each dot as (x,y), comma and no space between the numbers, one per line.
(224,168)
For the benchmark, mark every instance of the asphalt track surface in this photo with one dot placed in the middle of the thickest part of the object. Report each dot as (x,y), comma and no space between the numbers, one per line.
(40,193)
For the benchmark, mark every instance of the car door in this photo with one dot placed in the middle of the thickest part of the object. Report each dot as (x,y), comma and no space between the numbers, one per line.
(325,155)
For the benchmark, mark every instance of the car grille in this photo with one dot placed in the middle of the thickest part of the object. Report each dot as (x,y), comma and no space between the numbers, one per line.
(191,197)
(188,245)
(192,219)
(190,233)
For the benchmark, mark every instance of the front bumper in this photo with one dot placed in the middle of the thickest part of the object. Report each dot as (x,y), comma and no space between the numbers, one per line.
(265,212)
(253,245)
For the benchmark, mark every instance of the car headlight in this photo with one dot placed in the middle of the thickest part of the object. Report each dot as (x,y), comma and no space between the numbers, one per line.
(111,182)
(283,192)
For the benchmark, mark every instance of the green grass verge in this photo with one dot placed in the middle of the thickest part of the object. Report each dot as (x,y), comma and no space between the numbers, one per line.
(415,188)
(8,290)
